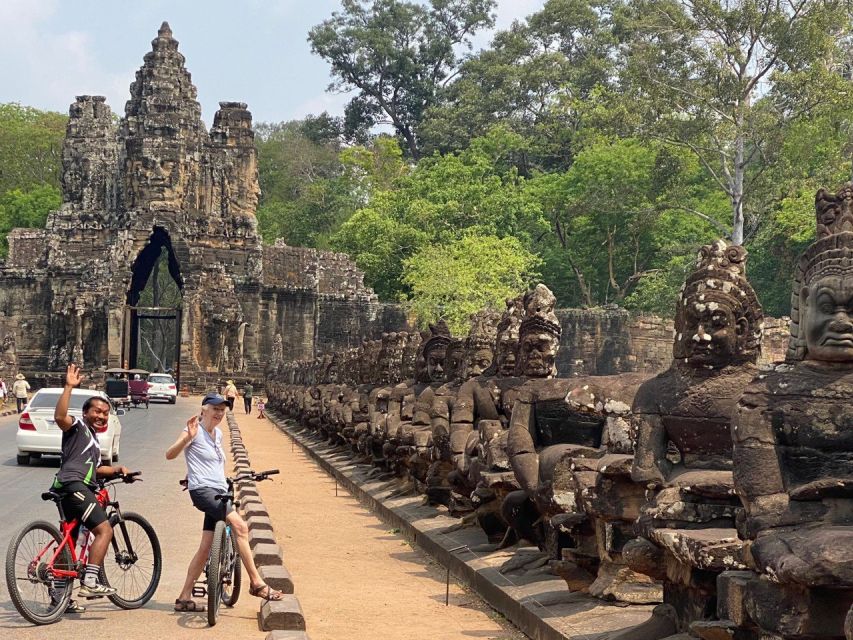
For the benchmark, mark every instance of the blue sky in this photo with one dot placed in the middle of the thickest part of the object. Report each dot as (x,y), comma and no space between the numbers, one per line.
(254,51)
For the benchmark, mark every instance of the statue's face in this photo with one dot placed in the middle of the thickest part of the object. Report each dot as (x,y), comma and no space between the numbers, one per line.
(332,373)
(454,362)
(537,353)
(157,182)
(829,319)
(711,335)
(506,349)
(435,363)
(478,361)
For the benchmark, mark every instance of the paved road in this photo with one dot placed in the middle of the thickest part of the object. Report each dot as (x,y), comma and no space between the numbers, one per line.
(145,437)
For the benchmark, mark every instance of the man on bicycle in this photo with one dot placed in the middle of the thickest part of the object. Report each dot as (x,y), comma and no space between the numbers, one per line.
(75,480)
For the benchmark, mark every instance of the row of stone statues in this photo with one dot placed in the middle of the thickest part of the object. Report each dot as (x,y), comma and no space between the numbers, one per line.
(721,490)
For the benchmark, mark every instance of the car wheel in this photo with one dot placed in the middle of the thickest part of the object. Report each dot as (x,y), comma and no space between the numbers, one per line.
(172,400)
(23,458)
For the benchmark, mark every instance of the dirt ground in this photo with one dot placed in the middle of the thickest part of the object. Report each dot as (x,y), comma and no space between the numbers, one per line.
(355,577)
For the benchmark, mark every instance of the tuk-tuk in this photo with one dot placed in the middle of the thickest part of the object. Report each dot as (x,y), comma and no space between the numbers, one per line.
(117,386)
(138,387)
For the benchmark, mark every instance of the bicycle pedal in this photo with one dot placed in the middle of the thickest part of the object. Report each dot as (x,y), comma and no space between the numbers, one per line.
(199,592)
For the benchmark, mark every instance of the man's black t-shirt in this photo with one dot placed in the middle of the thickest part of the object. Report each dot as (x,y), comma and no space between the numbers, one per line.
(81,455)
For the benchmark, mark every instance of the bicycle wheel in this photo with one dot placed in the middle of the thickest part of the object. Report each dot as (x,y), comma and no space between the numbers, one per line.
(30,580)
(231,586)
(215,572)
(133,562)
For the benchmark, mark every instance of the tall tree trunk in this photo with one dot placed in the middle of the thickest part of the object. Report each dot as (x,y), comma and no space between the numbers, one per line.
(737,183)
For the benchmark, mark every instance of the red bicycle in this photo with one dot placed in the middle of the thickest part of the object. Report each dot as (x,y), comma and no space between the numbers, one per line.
(42,563)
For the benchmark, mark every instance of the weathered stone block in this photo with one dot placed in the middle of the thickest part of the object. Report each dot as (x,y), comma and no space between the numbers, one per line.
(261,536)
(277,576)
(259,523)
(286,635)
(267,554)
(283,614)
(254,509)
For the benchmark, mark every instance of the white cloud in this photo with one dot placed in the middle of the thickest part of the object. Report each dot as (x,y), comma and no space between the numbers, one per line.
(45,67)
(509,10)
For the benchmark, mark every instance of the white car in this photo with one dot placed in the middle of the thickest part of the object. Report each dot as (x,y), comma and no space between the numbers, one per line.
(38,433)
(162,386)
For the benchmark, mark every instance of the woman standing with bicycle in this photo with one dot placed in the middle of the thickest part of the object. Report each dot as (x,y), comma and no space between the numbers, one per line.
(205,459)
(75,480)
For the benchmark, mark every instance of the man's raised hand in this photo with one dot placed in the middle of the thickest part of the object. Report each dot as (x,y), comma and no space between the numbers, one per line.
(73,377)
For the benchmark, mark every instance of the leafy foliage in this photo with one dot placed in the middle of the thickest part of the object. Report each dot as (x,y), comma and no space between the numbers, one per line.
(436,203)
(30,147)
(456,279)
(397,55)
(25,210)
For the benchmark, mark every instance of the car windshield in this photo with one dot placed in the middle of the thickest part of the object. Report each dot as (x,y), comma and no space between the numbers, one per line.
(161,380)
(48,400)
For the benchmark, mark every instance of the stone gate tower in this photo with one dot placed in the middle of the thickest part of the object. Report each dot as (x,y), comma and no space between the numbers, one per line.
(159,180)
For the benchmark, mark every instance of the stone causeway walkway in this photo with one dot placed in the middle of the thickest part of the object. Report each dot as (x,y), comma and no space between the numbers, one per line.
(515,582)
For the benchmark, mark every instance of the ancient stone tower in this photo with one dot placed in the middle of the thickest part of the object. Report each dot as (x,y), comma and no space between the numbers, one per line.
(159,180)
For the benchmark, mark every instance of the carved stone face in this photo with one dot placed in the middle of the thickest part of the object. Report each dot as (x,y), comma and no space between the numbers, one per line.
(478,360)
(332,373)
(157,182)
(507,347)
(435,363)
(537,354)
(711,335)
(828,323)
(454,361)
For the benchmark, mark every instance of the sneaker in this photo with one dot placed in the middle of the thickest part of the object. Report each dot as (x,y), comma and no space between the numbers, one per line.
(73,607)
(95,591)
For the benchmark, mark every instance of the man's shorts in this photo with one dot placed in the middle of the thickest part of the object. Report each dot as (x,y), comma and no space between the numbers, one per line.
(204,499)
(79,503)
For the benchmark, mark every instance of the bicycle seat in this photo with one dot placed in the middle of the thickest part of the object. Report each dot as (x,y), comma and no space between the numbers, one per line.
(51,495)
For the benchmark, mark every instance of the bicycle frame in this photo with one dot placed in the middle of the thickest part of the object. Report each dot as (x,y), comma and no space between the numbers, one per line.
(67,528)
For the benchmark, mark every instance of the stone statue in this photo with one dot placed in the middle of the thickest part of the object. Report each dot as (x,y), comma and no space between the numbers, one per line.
(10,351)
(474,359)
(793,455)
(239,359)
(683,454)
(277,350)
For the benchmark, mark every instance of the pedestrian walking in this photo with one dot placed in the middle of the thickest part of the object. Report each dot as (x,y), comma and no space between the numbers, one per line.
(247,398)
(21,390)
(261,406)
(230,394)
(4,391)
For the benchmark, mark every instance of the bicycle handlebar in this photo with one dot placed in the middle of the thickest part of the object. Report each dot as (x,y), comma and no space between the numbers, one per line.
(255,475)
(127,478)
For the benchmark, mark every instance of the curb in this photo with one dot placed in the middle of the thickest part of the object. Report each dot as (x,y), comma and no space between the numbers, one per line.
(284,616)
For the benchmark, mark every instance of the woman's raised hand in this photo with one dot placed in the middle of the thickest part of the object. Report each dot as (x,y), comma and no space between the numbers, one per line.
(192,427)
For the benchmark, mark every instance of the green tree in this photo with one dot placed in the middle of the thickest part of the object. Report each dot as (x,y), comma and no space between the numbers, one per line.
(534,79)
(618,223)
(396,55)
(305,194)
(438,201)
(456,279)
(30,147)
(25,209)
(698,70)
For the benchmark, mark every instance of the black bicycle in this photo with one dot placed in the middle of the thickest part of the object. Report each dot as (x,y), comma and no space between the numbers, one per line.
(223,571)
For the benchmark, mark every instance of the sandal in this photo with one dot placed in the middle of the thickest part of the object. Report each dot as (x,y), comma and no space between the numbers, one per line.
(266,592)
(189,606)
